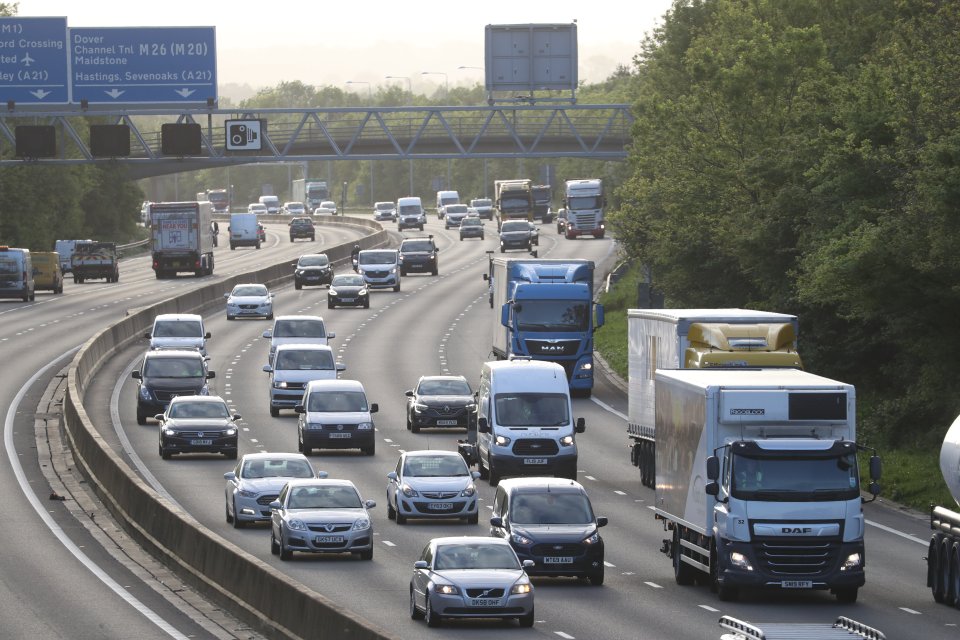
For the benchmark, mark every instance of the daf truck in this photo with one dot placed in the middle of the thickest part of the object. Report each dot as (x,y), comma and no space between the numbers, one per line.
(583,201)
(513,200)
(696,339)
(943,553)
(544,309)
(181,238)
(757,480)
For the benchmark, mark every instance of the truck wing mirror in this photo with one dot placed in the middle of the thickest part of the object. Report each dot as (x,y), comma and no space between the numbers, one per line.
(712,489)
(876,467)
(485,277)
(713,469)
(600,317)
(482,425)
(581,425)
(505,315)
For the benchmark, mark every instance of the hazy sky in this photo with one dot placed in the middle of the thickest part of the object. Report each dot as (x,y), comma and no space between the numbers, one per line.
(328,43)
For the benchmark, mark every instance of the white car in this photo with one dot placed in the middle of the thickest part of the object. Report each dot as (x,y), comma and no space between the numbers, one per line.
(327,207)
(432,484)
(321,516)
(257,208)
(256,481)
(249,301)
(294,209)
(385,211)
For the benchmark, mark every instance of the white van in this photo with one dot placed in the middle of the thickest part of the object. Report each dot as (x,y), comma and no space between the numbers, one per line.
(525,424)
(16,274)
(444,198)
(380,268)
(272,203)
(244,230)
(294,365)
(178,331)
(297,329)
(410,213)
(66,247)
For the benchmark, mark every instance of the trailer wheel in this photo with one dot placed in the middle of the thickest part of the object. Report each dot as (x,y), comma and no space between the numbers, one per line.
(933,567)
(683,573)
(954,590)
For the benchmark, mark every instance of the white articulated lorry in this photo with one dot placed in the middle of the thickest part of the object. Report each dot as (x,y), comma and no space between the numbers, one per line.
(696,339)
(758,481)
(943,556)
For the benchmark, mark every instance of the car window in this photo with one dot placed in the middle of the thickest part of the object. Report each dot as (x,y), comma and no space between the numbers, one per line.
(417,245)
(551,508)
(314,261)
(199,410)
(378,257)
(471,222)
(337,401)
(173,368)
(444,388)
(276,468)
(435,467)
(347,281)
(178,329)
(328,497)
(250,290)
(475,556)
(299,328)
(517,225)
(304,359)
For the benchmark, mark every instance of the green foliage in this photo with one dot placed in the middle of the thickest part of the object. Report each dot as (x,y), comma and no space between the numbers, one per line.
(610,339)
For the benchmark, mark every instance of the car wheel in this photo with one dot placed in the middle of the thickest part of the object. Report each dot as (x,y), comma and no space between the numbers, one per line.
(414,427)
(230,455)
(396,288)
(229,317)
(481,236)
(435,271)
(237,522)
(313,238)
(366,555)
(409,424)
(330,305)
(461,238)
(415,614)
(484,472)
(291,238)
(502,249)
(141,418)
(274,547)
(473,519)
(297,286)
(526,620)
(494,478)
(226,512)
(285,554)
(258,244)
(401,519)
(369,451)
(366,305)
(164,453)
(274,412)
(596,578)
(432,619)
(391,512)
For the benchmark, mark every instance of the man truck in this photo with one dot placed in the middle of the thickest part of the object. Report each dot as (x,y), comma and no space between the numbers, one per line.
(544,309)
(180,238)
(757,480)
(310,192)
(583,201)
(513,200)
(696,339)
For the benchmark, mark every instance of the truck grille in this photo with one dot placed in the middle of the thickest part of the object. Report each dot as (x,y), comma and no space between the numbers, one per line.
(585,220)
(799,557)
(552,348)
(535,447)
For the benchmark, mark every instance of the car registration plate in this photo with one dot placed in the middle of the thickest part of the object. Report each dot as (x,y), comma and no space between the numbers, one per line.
(534,461)
(446,423)
(558,560)
(439,506)
(201,442)
(484,602)
(327,539)
(340,434)
(797,584)
(346,299)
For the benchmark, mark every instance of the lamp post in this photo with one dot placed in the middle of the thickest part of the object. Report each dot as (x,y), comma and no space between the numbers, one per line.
(407,78)
(446,80)
(369,92)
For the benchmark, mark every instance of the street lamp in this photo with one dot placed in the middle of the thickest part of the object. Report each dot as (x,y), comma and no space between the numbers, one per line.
(446,81)
(369,93)
(407,78)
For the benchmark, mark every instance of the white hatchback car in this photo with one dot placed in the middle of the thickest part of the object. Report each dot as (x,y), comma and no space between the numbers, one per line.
(249,301)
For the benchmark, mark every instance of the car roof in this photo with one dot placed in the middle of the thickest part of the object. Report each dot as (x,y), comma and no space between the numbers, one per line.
(177,317)
(422,378)
(182,399)
(538,485)
(431,452)
(470,540)
(173,353)
(334,385)
(288,346)
(296,317)
(325,482)
(276,455)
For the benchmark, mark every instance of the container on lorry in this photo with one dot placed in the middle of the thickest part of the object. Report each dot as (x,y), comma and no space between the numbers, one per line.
(584,202)
(696,339)
(513,200)
(92,260)
(244,230)
(757,480)
(544,309)
(843,629)
(542,196)
(181,238)
(943,555)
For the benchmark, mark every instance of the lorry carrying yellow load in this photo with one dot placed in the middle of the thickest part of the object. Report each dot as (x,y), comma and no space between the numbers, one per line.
(696,339)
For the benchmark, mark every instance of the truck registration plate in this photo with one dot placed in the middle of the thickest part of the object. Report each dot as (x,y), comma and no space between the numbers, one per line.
(797,584)
(201,442)
(327,539)
(340,434)
(534,461)
(484,602)
(558,560)
(446,423)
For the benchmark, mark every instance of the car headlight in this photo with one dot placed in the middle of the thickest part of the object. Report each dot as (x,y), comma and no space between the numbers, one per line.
(331,291)
(592,539)
(362,293)
(298,272)
(279,384)
(447,589)
(419,407)
(169,432)
(408,491)
(296,525)
(232,431)
(853,561)
(244,493)
(204,390)
(365,426)
(470,406)
(361,525)
(740,561)
(393,270)
(469,491)
(523,587)
(502,441)
(521,539)
(314,426)
(145,393)
(566,441)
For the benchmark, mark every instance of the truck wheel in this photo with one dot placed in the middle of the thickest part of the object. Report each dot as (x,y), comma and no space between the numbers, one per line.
(683,573)
(954,589)
(847,595)
(726,593)
(933,566)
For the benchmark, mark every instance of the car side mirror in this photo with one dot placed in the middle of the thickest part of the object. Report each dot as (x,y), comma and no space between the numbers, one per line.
(392,475)
(409,393)
(581,425)
(211,374)
(475,475)
(237,416)
(158,417)
(485,277)
(370,504)
(226,295)
(267,368)
(341,367)
(268,333)
(276,505)
(528,564)
(496,521)
(147,335)
(229,475)
(207,335)
(331,335)
(136,375)
(374,407)
(482,425)
(299,409)
(602,521)
(421,564)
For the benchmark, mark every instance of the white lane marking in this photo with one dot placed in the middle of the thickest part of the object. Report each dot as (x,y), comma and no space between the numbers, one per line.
(619,493)
(907,536)
(607,407)
(910,611)
(708,608)
(590,478)
(653,584)
(567,636)
(388,543)
(55,529)
(609,564)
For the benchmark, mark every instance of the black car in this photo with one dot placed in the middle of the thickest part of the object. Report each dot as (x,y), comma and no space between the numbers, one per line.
(440,401)
(348,290)
(418,254)
(471,227)
(312,269)
(198,424)
(517,234)
(302,228)
(165,374)
(550,521)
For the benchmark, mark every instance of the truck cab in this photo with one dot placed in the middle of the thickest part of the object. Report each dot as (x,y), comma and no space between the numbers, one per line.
(584,202)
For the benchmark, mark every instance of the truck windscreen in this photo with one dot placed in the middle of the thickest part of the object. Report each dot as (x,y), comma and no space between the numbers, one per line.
(552,315)
(583,202)
(796,478)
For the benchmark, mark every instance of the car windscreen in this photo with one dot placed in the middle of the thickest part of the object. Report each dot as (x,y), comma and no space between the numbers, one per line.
(299,328)
(178,329)
(378,257)
(444,388)
(314,261)
(304,359)
(414,246)
(252,290)
(347,281)
(275,468)
(435,466)
(532,409)
(550,508)
(471,222)
(456,208)
(475,556)
(481,203)
(173,368)
(199,410)
(324,498)
(410,209)
(337,401)
(518,225)
(384,206)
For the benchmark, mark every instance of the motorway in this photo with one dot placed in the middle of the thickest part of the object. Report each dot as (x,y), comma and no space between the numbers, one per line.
(434,325)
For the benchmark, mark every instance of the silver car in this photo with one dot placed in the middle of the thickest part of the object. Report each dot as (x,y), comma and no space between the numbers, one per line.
(249,301)
(321,516)
(256,481)
(432,484)
(470,577)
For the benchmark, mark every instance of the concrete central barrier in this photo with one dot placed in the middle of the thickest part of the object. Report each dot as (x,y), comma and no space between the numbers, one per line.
(271,602)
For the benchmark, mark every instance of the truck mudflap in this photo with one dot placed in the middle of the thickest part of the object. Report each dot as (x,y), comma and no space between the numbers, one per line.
(843,627)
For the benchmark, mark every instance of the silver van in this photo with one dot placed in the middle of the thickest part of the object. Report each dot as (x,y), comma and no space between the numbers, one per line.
(178,331)
(294,365)
(16,274)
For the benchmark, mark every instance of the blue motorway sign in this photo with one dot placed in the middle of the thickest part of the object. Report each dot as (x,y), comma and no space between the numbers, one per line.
(143,65)
(33,60)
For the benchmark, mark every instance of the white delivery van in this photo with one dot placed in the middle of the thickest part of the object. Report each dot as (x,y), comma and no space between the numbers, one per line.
(244,231)
(410,213)
(16,274)
(380,268)
(272,203)
(444,198)
(65,249)
(525,424)
(299,329)
(178,331)
(294,365)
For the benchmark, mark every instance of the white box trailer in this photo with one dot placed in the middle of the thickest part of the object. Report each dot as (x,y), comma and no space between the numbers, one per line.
(181,238)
